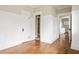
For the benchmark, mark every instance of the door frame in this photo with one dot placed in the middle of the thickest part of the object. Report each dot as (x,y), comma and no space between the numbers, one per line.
(37,26)
(37,13)
(69,14)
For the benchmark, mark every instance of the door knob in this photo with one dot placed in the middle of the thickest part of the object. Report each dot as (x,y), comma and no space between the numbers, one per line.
(70,29)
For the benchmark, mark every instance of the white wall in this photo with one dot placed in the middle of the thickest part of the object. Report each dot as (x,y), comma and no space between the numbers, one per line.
(49,28)
(11,25)
(49,23)
(75,28)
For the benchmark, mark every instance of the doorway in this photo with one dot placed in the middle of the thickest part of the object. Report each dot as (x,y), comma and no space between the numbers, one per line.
(37,29)
(66,30)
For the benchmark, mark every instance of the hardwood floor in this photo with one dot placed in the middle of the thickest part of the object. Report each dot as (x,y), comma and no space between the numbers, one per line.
(60,46)
(27,47)
(72,51)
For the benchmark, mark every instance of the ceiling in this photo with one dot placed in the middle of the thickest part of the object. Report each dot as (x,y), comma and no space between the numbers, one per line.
(35,6)
(56,6)
(62,6)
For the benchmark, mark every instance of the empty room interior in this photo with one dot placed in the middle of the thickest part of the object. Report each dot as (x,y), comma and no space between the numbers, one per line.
(39,29)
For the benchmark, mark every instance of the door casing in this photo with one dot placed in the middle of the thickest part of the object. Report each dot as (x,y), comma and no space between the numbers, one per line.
(69,16)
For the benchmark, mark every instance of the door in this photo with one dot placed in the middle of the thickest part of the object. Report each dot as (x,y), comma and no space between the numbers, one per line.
(37,29)
(65,31)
